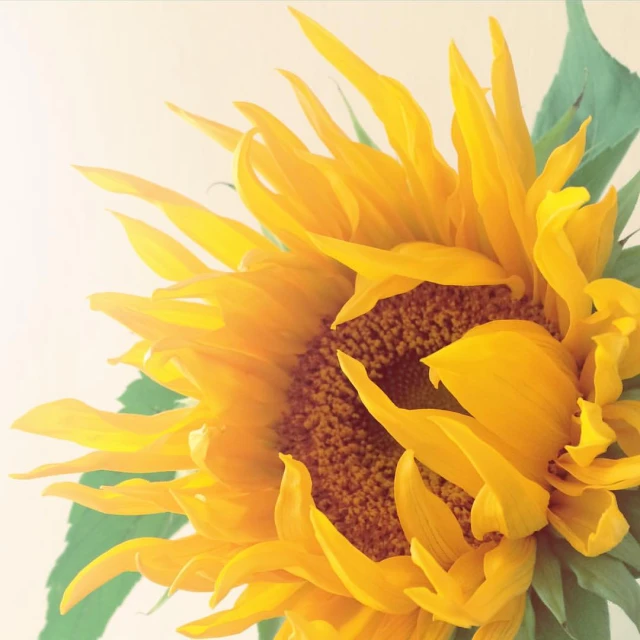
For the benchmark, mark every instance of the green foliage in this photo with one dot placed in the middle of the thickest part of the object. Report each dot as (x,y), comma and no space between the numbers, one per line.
(628,551)
(92,533)
(547,627)
(611,96)
(626,266)
(547,579)
(361,134)
(627,199)
(602,576)
(587,613)
(527,629)
(267,629)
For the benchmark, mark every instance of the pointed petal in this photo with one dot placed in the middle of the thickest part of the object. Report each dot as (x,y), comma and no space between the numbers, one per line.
(556,258)
(160,252)
(590,231)
(508,502)
(595,434)
(413,430)
(508,622)
(364,578)
(508,574)
(502,370)
(426,517)
(225,239)
(259,601)
(508,107)
(591,522)
(294,504)
(304,629)
(420,261)
(497,187)
(275,555)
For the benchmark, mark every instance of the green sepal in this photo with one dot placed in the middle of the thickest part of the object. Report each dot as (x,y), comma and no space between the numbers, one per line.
(629,504)
(547,579)
(611,96)
(628,551)
(587,613)
(627,199)
(361,134)
(547,627)
(603,576)
(556,136)
(626,266)
(527,630)
(91,533)
(267,629)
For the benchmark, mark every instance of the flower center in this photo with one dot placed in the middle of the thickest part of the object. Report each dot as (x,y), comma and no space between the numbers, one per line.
(351,457)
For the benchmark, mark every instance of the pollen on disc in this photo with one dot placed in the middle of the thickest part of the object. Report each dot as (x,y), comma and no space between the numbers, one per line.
(351,457)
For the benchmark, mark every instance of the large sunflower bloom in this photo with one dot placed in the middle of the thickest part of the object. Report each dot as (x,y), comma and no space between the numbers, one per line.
(392,414)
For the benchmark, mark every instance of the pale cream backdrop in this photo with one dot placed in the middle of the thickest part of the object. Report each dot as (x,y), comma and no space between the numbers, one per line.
(85,83)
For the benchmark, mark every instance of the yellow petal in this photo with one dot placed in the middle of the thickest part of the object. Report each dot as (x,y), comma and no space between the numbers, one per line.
(505,370)
(157,319)
(508,573)
(600,378)
(367,294)
(136,462)
(275,555)
(429,177)
(595,434)
(294,504)
(591,522)
(414,430)
(603,473)
(508,502)
(160,252)
(304,629)
(562,162)
(259,601)
(507,625)
(364,578)
(497,186)
(590,231)
(225,239)
(426,517)
(419,261)
(556,257)
(229,138)
(77,422)
(508,107)
(624,417)
(103,500)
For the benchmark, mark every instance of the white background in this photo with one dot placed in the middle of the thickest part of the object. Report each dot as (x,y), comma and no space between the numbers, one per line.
(85,83)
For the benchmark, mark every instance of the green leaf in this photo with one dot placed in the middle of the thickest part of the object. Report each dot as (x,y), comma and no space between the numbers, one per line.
(527,629)
(547,579)
(92,533)
(556,135)
(605,577)
(587,613)
(361,134)
(627,266)
(547,627)
(629,502)
(628,551)
(267,629)
(611,96)
(627,199)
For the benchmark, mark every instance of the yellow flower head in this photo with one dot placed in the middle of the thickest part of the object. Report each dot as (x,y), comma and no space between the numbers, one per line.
(391,414)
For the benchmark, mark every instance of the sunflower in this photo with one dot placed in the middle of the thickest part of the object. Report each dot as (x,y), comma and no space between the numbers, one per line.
(396,414)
